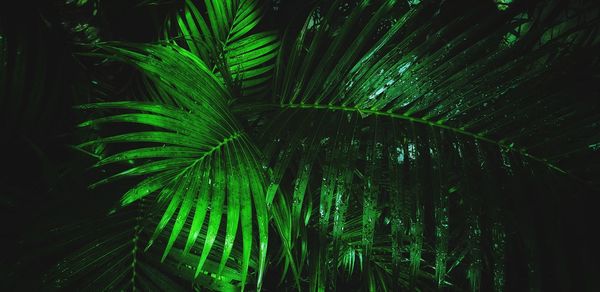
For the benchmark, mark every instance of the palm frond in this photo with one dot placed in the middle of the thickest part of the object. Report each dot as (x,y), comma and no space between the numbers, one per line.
(465,105)
(202,162)
(223,39)
(116,259)
(406,145)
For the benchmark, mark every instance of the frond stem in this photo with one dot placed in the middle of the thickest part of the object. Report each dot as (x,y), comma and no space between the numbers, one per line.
(502,145)
(225,141)
(233,136)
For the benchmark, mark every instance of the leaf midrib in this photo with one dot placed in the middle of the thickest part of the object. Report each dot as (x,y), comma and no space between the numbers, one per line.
(502,145)
(223,45)
(232,137)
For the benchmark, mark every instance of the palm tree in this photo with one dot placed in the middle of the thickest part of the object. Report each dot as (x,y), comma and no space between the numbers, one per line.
(368,145)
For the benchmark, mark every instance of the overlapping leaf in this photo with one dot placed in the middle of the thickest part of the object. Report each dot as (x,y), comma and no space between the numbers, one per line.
(223,38)
(454,90)
(398,135)
(116,260)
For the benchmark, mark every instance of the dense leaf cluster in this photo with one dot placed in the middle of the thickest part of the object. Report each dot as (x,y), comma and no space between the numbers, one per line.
(276,145)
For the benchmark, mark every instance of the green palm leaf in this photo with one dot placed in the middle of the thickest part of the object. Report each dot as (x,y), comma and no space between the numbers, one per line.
(223,40)
(398,139)
(345,77)
(123,263)
(202,158)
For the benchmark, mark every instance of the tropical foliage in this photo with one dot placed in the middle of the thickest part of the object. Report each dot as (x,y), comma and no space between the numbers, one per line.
(367,145)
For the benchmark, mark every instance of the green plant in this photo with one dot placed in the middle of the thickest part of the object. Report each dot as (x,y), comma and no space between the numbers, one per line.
(376,145)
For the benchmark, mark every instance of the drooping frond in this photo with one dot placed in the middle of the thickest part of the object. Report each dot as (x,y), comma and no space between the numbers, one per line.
(470,83)
(470,98)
